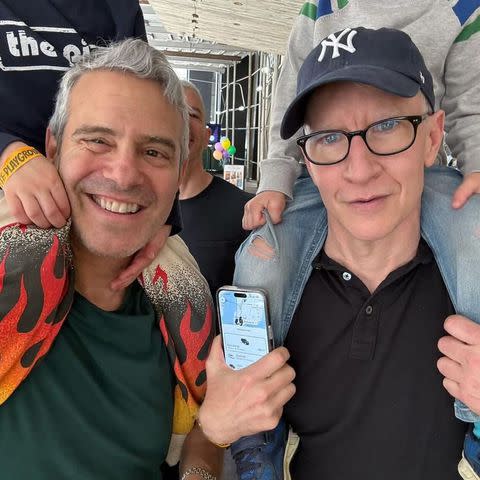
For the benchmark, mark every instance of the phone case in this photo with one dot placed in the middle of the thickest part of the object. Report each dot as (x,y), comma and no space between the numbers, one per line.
(244,325)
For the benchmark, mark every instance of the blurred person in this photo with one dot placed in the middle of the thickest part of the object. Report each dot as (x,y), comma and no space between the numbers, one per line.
(212,208)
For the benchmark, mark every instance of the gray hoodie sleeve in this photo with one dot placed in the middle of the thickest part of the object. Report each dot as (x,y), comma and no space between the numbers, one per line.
(281,168)
(461,101)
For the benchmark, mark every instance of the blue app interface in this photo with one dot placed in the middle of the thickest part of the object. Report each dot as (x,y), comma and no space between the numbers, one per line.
(244,327)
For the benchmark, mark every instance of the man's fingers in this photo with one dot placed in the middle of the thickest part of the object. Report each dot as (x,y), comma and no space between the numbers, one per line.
(282,377)
(269,364)
(450,369)
(284,395)
(453,349)
(463,394)
(452,388)
(463,329)
(216,357)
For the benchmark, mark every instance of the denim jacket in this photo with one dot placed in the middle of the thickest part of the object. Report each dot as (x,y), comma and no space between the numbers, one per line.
(453,236)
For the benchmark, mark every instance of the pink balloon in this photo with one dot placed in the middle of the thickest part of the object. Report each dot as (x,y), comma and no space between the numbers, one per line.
(218,146)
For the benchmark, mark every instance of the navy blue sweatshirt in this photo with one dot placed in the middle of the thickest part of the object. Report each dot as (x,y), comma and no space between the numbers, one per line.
(39,41)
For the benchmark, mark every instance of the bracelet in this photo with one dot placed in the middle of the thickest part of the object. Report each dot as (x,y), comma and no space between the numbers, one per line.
(219,445)
(198,471)
(17,159)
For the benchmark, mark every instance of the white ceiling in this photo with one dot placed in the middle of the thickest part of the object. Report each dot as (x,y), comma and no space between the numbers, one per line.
(235,26)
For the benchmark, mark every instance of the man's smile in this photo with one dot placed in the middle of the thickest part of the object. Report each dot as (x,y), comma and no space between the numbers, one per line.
(115,206)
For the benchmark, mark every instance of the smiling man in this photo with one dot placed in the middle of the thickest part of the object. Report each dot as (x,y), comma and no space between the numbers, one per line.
(105,399)
(120,162)
(122,379)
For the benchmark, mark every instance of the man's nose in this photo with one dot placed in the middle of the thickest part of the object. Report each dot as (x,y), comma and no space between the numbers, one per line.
(361,163)
(123,167)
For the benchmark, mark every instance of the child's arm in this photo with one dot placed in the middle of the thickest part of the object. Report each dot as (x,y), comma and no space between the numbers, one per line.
(281,167)
(34,192)
(461,103)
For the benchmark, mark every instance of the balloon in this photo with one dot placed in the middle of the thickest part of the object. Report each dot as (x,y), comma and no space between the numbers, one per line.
(226,155)
(218,146)
(225,143)
(217,155)
(231,150)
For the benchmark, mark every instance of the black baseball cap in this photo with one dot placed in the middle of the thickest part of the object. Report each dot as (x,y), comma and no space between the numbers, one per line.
(385,58)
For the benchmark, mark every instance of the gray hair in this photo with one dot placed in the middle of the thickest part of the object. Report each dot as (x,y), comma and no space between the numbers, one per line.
(133,56)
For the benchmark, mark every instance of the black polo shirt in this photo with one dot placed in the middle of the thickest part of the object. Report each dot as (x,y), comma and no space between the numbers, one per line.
(370,402)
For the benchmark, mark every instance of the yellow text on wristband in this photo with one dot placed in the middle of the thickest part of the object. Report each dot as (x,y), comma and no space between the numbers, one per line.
(17,159)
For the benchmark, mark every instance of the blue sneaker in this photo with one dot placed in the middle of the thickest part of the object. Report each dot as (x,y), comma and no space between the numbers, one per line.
(260,456)
(469,466)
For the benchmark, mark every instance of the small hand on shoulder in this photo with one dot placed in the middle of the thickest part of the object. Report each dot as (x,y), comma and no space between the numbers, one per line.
(270,200)
(469,186)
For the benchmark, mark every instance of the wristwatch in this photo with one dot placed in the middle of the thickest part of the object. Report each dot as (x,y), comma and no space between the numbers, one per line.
(198,471)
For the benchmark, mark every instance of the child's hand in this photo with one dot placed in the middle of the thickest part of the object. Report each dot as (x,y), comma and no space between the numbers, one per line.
(469,186)
(35,193)
(142,259)
(273,201)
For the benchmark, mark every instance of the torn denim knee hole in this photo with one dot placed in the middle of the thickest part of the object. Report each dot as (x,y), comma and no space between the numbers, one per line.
(260,248)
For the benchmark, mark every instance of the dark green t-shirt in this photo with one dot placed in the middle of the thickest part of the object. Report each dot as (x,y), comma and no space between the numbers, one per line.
(99,405)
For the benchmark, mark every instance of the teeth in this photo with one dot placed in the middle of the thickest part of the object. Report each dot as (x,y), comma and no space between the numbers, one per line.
(116,207)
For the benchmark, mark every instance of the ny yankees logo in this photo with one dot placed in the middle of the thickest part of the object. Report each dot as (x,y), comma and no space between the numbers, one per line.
(334,42)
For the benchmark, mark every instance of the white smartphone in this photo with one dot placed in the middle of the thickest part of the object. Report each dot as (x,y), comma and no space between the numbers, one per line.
(244,325)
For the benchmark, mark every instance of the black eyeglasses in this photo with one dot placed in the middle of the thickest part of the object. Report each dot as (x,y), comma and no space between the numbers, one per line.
(385,137)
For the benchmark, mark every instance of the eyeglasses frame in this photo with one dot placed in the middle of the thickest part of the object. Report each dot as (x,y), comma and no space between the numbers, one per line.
(415,120)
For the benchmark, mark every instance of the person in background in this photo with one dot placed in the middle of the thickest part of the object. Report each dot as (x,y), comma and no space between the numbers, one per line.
(212,208)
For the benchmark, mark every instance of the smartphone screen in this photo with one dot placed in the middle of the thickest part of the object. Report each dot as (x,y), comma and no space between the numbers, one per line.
(244,326)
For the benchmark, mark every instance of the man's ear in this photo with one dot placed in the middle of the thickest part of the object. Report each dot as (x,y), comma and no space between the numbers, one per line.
(51,146)
(434,139)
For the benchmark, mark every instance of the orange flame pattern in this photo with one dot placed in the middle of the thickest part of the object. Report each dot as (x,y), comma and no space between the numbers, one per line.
(190,389)
(184,304)
(20,350)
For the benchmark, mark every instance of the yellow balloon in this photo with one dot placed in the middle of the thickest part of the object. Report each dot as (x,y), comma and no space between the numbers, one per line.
(225,143)
(217,155)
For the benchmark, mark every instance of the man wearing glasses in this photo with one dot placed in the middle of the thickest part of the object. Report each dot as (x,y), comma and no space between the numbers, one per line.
(370,317)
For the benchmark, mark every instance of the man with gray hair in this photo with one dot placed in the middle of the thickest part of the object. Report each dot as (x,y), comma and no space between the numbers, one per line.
(114,396)
(212,239)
